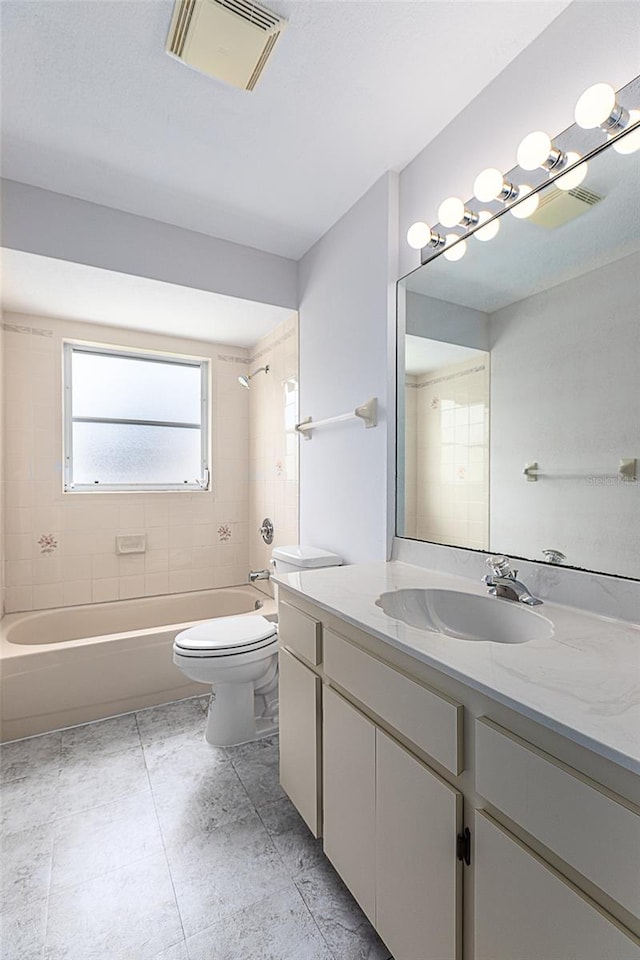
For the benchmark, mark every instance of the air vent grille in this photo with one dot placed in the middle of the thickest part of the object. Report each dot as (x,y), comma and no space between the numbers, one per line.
(252,12)
(557,207)
(231,40)
(578,193)
(179,35)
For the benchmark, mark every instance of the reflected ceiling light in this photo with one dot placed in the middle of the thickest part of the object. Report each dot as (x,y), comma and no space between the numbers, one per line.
(456,252)
(631,141)
(421,235)
(536,150)
(491,185)
(526,207)
(572,179)
(491,230)
(598,107)
(452,212)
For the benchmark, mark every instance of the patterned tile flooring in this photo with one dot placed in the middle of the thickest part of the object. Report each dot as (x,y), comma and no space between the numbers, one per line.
(133,839)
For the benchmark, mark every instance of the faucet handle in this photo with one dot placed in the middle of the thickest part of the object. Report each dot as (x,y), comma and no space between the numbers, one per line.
(553,556)
(500,567)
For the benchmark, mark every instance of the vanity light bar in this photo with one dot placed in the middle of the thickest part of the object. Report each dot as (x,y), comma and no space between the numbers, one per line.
(597,108)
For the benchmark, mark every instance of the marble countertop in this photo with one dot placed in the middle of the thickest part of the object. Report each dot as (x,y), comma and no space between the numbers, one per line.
(584,682)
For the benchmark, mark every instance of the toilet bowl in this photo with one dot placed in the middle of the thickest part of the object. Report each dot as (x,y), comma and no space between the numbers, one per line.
(238,656)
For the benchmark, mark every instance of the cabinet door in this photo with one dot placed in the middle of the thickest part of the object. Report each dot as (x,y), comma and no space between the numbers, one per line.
(418,894)
(349,751)
(525,909)
(300,775)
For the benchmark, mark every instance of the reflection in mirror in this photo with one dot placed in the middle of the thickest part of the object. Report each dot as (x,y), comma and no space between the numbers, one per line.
(446,443)
(550,308)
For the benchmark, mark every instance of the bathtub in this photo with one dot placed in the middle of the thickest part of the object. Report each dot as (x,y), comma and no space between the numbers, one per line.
(71,665)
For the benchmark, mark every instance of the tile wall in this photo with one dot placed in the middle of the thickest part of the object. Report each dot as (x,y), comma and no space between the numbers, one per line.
(273,443)
(60,548)
(447,452)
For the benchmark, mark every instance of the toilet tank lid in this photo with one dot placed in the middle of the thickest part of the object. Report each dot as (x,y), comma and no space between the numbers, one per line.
(304,556)
(226,632)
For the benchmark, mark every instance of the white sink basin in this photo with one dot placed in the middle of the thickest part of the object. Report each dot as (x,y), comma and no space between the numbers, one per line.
(466,616)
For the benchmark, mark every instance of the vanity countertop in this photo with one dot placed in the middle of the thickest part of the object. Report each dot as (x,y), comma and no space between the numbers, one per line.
(584,682)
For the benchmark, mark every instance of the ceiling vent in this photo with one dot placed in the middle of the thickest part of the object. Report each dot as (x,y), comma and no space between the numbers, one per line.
(230,40)
(557,207)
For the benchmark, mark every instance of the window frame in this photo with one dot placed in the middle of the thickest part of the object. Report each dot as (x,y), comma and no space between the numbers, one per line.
(74,346)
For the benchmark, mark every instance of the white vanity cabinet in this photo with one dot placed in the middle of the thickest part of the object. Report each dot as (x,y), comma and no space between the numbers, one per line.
(390,827)
(524,908)
(553,869)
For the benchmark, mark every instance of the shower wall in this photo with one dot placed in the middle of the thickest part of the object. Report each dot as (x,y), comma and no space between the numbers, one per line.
(273,443)
(60,547)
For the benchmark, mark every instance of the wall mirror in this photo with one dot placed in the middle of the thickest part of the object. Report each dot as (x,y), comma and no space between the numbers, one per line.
(519,375)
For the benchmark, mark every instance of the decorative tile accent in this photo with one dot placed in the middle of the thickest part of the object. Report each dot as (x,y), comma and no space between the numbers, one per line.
(275,343)
(435,403)
(229,358)
(15,328)
(224,533)
(280,471)
(47,543)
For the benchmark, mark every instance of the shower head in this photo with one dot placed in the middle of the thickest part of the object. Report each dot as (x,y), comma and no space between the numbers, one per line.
(244,380)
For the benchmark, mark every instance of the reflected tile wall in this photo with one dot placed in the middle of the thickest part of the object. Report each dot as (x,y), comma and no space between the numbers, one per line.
(60,548)
(452,455)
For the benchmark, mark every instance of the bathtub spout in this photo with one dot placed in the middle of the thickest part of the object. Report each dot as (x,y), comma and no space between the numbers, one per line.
(259,575)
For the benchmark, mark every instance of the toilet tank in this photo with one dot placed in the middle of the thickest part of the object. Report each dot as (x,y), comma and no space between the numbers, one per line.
(295,558)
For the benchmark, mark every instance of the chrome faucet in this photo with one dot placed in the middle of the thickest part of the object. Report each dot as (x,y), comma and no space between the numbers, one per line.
(259,575)
(502,582)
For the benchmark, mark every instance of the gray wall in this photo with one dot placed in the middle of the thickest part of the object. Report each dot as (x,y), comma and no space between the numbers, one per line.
(54,225)
(565,392)
(347,313)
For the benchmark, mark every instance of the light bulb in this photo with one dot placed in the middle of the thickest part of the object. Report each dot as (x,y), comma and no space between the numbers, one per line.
(534,151)
(488,185)
(456,252)
(418,235)
(491,230)
(595,106)
(575,177)
(451,212)
(631,142)
(526,207)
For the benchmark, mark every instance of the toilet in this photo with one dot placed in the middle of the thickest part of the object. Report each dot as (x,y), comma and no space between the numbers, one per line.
(238,656)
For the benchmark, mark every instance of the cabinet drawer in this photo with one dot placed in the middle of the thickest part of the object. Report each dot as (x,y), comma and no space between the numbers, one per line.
(430,720)
(584,824)
(299,632)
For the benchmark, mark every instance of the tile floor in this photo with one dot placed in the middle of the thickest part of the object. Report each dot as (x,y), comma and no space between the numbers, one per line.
(132,838)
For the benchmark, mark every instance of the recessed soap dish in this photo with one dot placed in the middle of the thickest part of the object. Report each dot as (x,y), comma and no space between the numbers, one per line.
(131,543)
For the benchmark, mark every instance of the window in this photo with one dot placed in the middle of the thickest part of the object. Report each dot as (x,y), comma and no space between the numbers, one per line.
(134,421)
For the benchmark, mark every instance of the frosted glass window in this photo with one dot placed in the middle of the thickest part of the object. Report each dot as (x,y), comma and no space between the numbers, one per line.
(134,421)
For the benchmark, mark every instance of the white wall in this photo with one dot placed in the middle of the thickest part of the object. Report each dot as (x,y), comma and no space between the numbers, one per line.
(347,314)
(589,42)
(54,225)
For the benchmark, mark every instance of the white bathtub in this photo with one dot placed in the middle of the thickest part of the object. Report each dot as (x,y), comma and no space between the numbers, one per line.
(67,666)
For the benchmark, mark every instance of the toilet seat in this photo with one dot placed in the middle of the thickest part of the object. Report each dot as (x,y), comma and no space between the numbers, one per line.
(226,637)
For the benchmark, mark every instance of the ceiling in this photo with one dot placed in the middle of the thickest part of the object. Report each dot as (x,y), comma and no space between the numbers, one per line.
(427,356)
(93,107)
(43,286)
